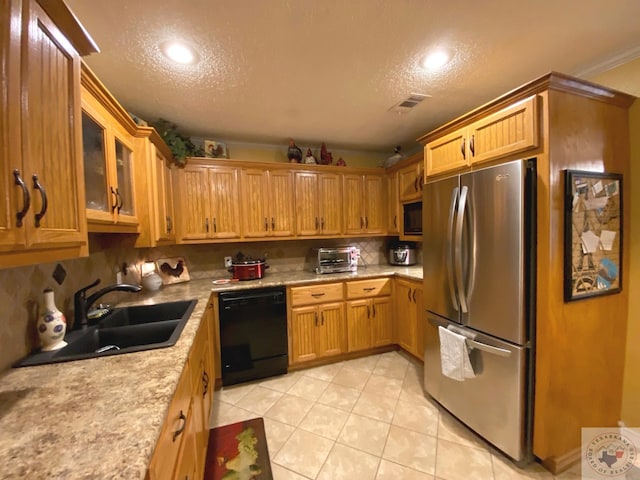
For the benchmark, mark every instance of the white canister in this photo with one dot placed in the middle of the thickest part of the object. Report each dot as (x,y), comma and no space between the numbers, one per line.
(52,324)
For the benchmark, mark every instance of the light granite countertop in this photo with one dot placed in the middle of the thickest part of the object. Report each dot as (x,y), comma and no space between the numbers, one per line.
(101,418)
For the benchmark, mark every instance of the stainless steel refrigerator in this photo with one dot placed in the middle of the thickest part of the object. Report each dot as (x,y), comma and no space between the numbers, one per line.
(479,282)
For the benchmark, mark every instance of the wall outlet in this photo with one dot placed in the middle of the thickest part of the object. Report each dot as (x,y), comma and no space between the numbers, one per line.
(227,262)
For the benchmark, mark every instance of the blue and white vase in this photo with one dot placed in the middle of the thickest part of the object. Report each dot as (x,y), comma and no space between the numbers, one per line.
(52,324)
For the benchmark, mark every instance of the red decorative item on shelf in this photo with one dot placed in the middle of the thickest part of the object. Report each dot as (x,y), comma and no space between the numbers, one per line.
(341,162)
(326,158)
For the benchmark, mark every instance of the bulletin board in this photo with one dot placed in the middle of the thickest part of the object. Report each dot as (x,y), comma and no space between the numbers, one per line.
(593,234)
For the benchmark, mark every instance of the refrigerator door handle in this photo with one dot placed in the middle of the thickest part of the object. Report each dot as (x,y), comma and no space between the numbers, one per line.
(458,249)
(452,210)
(501,352)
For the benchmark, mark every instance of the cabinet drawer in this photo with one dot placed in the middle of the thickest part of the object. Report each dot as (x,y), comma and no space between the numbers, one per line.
(167,448)
(369,288)
(328,292)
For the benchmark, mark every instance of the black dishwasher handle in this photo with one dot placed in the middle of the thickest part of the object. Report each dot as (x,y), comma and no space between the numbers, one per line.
(241,300)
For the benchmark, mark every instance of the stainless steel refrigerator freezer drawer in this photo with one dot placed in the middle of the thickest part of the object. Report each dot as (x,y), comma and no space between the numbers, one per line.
(493,402)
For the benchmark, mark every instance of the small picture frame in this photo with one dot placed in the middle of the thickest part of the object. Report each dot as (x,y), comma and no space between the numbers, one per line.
(592,234)
(172,270)
(215,149)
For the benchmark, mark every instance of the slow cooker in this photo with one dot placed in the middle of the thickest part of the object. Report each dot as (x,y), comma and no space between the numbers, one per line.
(402,253)
(248,269)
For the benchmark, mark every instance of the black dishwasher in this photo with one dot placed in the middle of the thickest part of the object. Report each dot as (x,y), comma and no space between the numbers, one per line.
(253,334)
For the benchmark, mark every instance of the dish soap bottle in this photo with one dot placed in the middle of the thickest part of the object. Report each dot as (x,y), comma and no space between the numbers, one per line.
(52,324)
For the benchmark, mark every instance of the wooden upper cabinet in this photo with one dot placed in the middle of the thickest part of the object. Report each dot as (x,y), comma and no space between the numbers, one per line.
(365,204)
(511,130)
(317,203)
(41,143)
(508,131)
(207,203)
(411,181)
(155,191)
(393,222)
(268,209)
(111,158)
(447,153)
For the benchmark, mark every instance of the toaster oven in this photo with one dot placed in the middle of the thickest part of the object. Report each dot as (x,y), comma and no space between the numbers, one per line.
(337,259)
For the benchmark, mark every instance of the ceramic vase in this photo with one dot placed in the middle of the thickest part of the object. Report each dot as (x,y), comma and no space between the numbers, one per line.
(151,282)
(52,324)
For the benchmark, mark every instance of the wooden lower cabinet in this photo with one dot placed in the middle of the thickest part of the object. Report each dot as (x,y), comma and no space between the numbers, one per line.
(410,317)
(369,319)
(182,447)
(317,331)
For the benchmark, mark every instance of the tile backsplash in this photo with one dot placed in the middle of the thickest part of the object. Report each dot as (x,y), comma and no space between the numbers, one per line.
(21,288)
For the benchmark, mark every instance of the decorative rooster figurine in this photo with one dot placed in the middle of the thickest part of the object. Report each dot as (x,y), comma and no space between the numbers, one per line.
(326,158)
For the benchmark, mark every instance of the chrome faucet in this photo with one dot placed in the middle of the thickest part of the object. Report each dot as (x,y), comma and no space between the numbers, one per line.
(82,303)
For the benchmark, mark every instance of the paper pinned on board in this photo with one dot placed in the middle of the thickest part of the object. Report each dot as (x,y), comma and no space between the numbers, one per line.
(596,203)
(597,187)
(606,239)
(590,242)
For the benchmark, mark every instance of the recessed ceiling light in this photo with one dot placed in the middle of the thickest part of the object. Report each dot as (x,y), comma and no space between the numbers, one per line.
(179,52)
(435,60)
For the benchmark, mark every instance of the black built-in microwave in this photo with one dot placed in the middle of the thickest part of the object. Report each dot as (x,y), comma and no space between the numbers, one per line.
(412,214)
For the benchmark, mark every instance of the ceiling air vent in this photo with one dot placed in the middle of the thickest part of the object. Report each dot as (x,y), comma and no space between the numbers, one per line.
(407,104)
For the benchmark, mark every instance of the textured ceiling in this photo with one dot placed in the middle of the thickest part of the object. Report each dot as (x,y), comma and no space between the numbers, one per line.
(330,70)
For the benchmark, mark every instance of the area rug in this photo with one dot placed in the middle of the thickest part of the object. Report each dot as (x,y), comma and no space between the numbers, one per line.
(238,452)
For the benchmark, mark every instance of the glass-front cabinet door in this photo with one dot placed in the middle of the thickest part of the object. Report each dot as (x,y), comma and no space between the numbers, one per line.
(95,169)
(108,152)
(125,206)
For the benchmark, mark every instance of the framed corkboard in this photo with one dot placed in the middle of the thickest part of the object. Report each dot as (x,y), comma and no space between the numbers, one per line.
(592,234)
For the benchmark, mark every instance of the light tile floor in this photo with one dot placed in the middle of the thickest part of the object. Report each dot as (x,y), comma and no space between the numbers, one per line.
(364,419)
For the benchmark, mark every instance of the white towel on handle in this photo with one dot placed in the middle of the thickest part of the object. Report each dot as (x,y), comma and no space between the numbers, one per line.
(454,355)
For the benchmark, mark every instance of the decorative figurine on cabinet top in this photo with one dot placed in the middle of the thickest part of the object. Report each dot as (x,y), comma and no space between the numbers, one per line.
(341,162)
(310,159)
(294,153)
(326,158)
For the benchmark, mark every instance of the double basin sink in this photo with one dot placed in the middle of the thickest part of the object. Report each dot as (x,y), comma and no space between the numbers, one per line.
(125,330)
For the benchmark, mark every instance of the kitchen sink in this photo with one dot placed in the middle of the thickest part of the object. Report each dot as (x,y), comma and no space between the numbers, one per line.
(125,330)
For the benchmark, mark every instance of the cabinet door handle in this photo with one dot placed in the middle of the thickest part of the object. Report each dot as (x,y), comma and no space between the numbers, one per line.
(317,295)
(206,224)
(316,223)
(322,318)
(366,222)
(205,383)
(273,224)
(472,145)
(361,223)
(395,221)
(414,295)
(374,310)
(43,194)
(462,149)
(115,200)
(215,225)
(409,294)
(316,320)
(322,223)
(26,198)
(169,224)
(368,312)
(266,224)
(369,289)
(178,432)
(415,184)
(120,201)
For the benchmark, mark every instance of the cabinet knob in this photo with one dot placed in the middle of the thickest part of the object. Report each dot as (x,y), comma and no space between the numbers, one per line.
(26,198)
